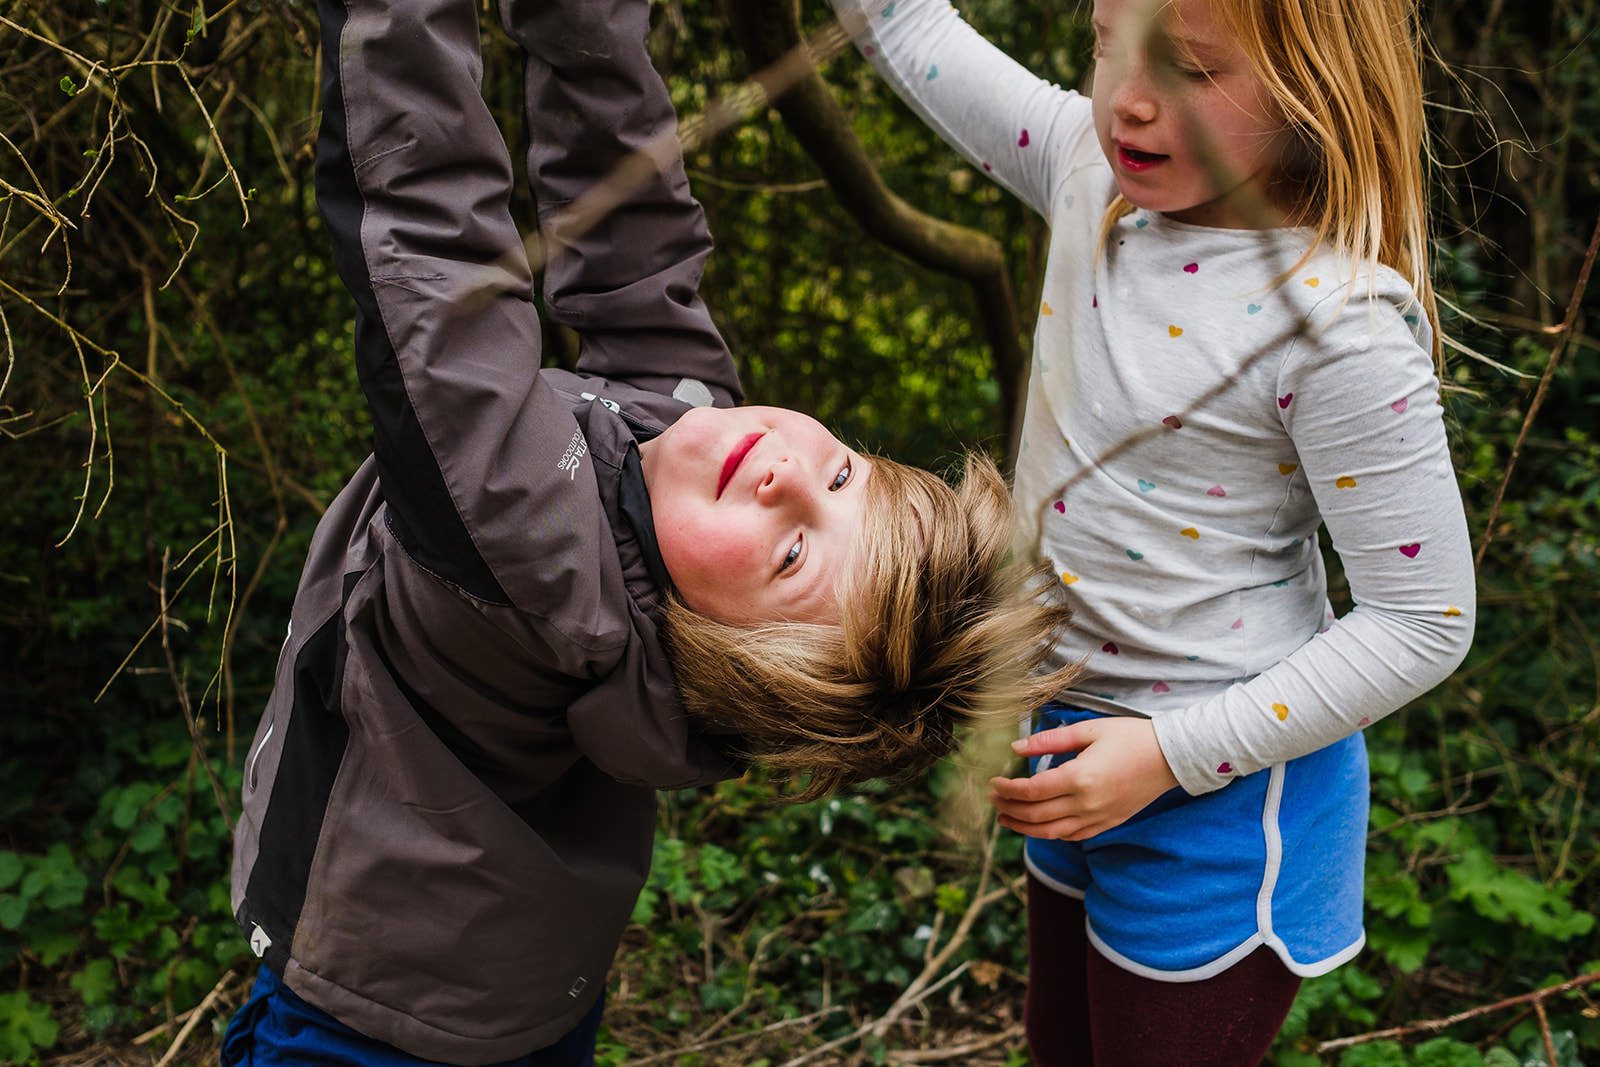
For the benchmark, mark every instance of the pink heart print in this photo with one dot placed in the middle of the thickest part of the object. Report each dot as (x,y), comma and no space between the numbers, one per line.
(1173,421)
(1022,142)
(1285,400)
(1216,490)
(1410,551)
(1061,506)
(1111,647)
(1224,768)
(1161,687)
(1190,268)
(1400,406)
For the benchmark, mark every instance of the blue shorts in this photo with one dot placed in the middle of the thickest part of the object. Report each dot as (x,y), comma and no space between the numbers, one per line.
(275,1028)
(1191,885)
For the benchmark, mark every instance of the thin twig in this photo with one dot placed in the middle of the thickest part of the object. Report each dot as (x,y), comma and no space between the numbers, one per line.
(956,1052)
(700,1046)
(1430,1026)
(1563,332)
(194,1018)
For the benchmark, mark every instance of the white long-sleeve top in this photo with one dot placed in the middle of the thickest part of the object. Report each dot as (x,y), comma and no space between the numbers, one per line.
(1192,417)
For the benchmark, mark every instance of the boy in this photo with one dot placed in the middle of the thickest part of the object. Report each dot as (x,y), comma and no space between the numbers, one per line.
(449,803)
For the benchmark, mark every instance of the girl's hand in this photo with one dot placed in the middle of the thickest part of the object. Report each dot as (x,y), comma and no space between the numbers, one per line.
(1118,771)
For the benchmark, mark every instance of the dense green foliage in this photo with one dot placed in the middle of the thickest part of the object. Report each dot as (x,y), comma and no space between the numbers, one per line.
(178,405)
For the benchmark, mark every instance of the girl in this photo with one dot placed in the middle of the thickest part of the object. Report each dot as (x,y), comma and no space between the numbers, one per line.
(1235,344)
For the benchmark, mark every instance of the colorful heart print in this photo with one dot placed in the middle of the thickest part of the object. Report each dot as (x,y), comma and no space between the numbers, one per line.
(1281,711)
(1174,331)
(1022,142)
(1161,687)
(1191,533)
(1410,551)
(933,72)
(1452,613)
(1045,308)
(1287,469)
(1173,422)
(1190,268)
(1061,506)
(1135,556)
(1145,486)
(1313,282)
(1216,490)
(1285,400)
(1067,577)
(1345,482)
(1400,406)
(1224,768)
(1111,647)
(1238,624)
(1252,309)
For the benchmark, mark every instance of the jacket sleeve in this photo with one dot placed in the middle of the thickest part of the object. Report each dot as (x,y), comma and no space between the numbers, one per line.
(627,280)
(477,456)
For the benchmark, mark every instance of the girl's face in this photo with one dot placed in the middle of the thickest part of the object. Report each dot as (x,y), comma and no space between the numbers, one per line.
(756,510)
(1180,113)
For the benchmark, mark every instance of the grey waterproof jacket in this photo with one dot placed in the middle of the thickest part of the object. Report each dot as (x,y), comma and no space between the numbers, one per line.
(449,803)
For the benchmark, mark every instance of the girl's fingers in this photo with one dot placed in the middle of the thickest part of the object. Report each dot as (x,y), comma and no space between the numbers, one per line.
(1044,811)
(1068,829)
(1057,740)
(1046,785)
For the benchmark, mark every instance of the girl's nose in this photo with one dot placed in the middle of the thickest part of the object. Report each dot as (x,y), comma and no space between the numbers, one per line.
(1133,102)
(1135,107)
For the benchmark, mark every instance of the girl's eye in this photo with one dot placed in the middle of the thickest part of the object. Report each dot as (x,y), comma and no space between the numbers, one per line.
(789,560)
(840,479)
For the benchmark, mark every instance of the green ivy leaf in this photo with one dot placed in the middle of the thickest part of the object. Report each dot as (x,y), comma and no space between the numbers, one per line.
(12,911)
(68,86)
(10,869)
(24,1027)
(96,982)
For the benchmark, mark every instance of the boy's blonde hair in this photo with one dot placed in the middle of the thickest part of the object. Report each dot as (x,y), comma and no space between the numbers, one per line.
(939,629)
(1346,76)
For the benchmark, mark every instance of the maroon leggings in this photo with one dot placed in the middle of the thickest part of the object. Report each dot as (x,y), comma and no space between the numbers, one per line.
(1084,1010)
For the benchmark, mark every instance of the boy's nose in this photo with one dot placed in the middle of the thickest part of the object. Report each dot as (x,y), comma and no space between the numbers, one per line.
(785,481)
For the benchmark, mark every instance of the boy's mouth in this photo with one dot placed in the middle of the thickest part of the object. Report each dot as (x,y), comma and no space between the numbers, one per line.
(1136,159)
(731,464)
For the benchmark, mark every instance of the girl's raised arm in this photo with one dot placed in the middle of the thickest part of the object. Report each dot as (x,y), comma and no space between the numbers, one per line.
(1018,128)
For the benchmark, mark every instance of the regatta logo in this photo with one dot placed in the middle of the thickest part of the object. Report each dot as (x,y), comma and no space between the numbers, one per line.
(577,448)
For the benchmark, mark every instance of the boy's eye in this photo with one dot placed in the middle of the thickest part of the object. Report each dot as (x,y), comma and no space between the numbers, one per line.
(840,479)
(788,561)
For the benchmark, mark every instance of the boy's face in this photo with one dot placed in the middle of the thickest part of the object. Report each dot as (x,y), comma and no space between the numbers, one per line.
(756,512)
(1184,123)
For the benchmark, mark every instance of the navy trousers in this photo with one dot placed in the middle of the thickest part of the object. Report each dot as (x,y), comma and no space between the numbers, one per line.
(275,1028)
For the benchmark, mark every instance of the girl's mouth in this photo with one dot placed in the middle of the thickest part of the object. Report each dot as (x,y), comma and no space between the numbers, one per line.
(1135,160)
(731,464)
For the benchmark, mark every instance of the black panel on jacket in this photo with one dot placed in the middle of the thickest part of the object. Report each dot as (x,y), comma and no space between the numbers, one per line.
(313,747)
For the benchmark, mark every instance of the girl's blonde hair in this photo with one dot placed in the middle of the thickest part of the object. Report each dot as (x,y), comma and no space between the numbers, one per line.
(1346,75)
(940,628)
